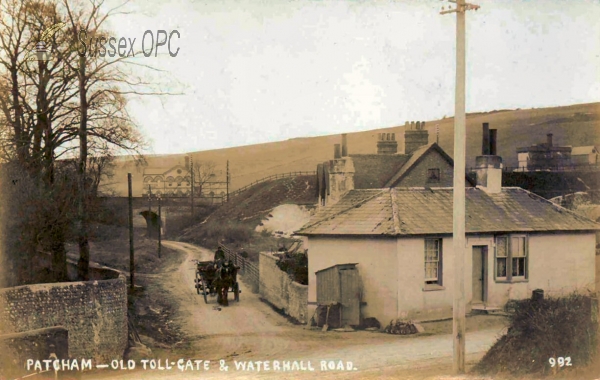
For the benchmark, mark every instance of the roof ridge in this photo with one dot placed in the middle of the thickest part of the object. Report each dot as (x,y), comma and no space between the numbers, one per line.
(381,191)
(395,212)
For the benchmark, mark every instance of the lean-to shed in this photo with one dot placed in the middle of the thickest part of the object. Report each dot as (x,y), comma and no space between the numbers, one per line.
(341,284)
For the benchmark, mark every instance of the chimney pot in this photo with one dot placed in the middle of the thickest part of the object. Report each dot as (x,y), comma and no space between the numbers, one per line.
(337,151)
(493,141)
(344,145)
(485,141)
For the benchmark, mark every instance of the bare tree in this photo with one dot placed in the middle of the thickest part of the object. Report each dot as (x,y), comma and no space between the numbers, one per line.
(203,172)
(103,84)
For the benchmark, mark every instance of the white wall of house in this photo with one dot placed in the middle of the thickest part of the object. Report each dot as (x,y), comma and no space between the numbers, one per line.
(414,301)
(558,264)
(393,275)
(377,267)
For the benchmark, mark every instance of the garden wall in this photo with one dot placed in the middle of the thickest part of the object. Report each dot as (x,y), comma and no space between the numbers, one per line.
(93,312)
(278,289)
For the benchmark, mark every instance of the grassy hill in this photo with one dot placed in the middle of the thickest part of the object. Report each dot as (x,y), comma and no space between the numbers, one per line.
(235,222)
(571,125)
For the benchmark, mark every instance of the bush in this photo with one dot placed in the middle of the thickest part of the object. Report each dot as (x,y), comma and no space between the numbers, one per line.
(296,265)
(543,329)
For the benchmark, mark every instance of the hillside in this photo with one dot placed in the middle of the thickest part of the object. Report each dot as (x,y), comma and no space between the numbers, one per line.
(245,211)
(571,125)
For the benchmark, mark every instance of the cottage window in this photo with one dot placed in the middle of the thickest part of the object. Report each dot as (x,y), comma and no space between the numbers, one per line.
(433,261)
(511,257)
(433,175)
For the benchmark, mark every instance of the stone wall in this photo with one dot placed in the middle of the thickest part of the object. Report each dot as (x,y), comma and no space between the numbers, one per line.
(279,290)
(93,312)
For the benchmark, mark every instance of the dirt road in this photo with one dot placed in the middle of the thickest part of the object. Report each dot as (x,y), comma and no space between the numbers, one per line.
(250,330)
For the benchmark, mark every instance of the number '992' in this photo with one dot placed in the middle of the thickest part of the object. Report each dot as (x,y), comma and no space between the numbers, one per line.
(560,361)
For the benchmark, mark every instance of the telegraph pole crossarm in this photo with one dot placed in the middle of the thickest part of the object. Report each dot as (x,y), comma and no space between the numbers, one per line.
(459,202)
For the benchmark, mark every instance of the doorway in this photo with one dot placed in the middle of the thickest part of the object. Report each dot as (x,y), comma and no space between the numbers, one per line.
(479,274)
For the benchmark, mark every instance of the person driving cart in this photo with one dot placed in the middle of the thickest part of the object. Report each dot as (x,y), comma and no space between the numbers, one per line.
(219,254)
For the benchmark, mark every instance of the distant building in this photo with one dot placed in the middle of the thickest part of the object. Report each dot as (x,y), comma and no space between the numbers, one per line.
(585,155)
(173,182)
(422,164)
(545,156)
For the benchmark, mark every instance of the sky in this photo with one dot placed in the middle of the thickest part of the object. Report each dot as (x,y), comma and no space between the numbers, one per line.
(255,71)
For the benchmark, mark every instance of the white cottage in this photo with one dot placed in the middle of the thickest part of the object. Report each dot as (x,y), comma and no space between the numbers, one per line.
(401,239)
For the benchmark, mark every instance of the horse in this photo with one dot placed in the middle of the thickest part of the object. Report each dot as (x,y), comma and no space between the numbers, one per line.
(225,278)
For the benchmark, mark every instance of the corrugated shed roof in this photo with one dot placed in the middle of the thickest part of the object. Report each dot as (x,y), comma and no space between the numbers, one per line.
(421,211)
(372,171)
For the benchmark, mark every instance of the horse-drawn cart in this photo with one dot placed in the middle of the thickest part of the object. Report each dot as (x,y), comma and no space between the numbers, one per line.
(217,278)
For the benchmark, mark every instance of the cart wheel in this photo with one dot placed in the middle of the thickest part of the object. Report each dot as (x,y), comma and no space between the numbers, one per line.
(236,291)
(197,283)
(205,290)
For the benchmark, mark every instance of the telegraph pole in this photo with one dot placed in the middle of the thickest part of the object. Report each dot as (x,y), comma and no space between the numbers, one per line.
(458,230)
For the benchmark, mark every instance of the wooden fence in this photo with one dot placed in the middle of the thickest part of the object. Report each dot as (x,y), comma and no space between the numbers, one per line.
(270,178)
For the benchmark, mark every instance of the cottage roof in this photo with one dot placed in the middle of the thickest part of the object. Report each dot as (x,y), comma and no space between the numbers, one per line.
(375,171)
(422,211)
(584,150)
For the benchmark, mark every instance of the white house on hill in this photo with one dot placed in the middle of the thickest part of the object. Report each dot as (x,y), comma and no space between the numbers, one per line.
(401,240)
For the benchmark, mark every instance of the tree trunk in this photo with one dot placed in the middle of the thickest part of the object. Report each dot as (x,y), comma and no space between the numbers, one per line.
(84,247)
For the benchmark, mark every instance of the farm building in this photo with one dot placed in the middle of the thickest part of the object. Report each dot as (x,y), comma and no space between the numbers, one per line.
(401,241)
(174,181)
(545,156)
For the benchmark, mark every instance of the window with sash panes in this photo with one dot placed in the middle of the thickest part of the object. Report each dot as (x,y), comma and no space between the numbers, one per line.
(511,257)
(433,261)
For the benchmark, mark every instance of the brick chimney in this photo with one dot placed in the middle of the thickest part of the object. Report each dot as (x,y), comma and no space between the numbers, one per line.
(344,144)
(415,138)
(549,140)
(187,162)
(488,166)
(386,143)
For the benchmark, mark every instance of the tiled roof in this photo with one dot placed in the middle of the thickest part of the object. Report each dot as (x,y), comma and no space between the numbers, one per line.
(373,171)
(421,211)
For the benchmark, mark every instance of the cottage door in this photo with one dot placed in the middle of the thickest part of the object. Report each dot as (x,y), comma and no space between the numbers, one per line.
(479,273)
(350,297)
